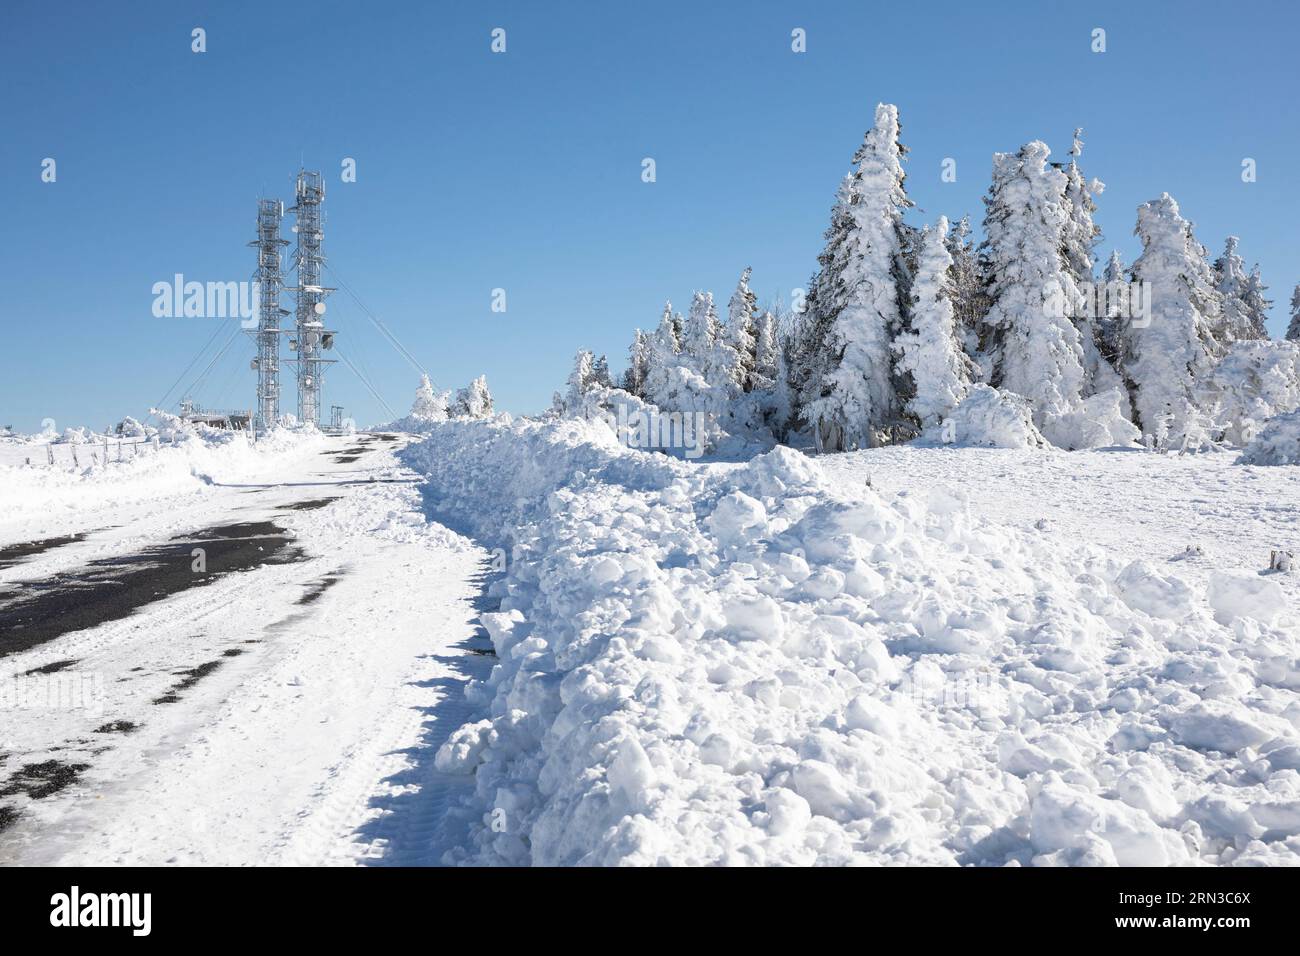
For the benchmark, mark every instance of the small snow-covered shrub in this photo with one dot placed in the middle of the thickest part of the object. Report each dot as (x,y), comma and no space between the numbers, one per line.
(1277,444)
(991,418)
(1100,421)
(130,428)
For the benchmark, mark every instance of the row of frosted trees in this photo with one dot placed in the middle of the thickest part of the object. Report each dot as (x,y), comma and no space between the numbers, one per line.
(900,323)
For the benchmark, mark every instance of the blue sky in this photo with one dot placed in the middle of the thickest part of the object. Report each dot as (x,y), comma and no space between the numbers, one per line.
(522,170)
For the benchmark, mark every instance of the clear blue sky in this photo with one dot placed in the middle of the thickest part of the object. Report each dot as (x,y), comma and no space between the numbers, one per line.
(522,171)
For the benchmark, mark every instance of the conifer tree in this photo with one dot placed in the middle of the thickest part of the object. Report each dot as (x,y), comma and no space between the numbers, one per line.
(742,333)
(638,364)
(1037,351)
(1293,330)
(1167,359)
(856,302)
(930,351)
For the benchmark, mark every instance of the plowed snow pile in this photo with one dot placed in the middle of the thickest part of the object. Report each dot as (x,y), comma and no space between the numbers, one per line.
(732,664)
(197,459)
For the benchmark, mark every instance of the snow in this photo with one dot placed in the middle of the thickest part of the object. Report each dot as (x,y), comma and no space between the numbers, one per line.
(200,457)
(1277,444)
(782,662)
(991,418)
(1039,352)
(944,654)
(313,742)
(1167,356)
(1246,595)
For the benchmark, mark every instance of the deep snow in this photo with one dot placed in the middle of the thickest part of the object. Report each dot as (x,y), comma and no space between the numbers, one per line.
(778,663)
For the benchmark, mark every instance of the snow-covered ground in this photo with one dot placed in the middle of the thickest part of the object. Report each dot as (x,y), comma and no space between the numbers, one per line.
(906,655)
(775,663)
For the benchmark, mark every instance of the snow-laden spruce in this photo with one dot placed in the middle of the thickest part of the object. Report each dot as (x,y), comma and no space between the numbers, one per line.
(429,406)
(854,305)
(1037,350)
(719,664)
(1169,358)
(930,351)
(1293,329)
(1244,308)
(474,400)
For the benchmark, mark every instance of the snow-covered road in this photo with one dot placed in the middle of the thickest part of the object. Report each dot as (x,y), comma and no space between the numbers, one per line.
(283,710)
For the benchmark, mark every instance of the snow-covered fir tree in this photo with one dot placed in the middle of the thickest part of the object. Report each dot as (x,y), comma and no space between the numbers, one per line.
(1037,351)
(1115,270)
(1113,277)
(970,301)
(1081,232)
(930,350)
(1244,307)
(705,344)
(1167,359)
(1081,237)
(1293,330)
(664,358)
(1257,305)
(742,333)
(600,373)
(638,362)
(847,392)
(703,330)
(474,400)
(429,406)
(581,378)
(767,350)
(811,320)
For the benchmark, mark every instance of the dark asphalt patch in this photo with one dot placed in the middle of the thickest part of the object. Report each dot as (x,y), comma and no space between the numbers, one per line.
(53,668)
(40,780)
(117,727)
(8,817)
(192,677)
(346,459)
(12,554)
(310,505)
(319,587)
(109,589)
(233,652)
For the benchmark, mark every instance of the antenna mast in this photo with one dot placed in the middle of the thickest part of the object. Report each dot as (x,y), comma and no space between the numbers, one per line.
(270,280)
(311,336)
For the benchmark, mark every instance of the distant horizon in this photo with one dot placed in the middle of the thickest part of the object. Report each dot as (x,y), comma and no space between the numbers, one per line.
(522,170)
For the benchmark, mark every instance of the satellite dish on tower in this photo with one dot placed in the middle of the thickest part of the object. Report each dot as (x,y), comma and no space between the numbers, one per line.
(320,308)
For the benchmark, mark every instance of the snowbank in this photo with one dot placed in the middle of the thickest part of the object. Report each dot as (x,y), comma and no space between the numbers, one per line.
(1277,444)
(199,457)
(718,664)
